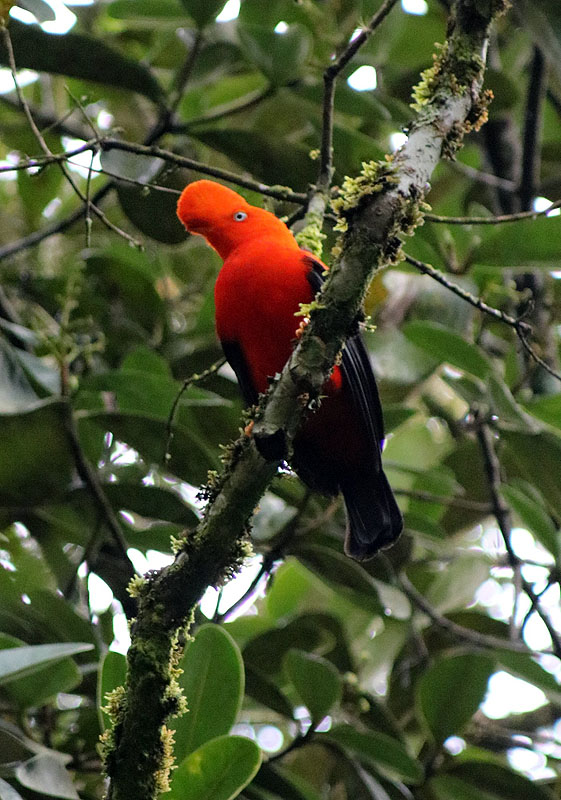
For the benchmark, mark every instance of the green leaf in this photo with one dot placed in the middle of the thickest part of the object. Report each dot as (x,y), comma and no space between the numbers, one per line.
(379,749)
(218,770)
(133,10)
(522,665)
(43,683)
(190,457)
(546,408)
(16,392)
(203,11)
(455,586)
(478,780)
(14,746)
(267,157)
(538,456)
(311,632)
(447,346)
(316,680)
(280,56)
(18,662)
(261,688)
(213,684)
(529,244)
(45,773)
(341,571)
(112,674)
(533,516)
(451,691)
(78,56)
(36,462)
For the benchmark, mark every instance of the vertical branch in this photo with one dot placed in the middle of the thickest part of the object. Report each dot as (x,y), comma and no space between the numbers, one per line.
(502,514)
(311,234)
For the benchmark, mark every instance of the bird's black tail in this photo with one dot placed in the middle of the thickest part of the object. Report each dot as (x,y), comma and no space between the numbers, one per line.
(374,519)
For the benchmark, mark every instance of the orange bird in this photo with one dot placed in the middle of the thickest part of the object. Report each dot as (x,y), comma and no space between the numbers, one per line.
(265,277)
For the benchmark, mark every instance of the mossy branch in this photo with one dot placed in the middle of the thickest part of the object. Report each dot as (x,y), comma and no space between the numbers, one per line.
(377,208)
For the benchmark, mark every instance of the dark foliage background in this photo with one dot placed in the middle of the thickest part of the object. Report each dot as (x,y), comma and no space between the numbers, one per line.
(391,659)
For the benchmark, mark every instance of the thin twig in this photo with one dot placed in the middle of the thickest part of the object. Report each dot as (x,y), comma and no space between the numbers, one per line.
(48,122)
(458,631)
(277,192)
(195,378)
(497,220)
(53,158)
(474,301)
(45,147)
(90,479)
(522,328)
(455,502)
(501,512)
(329,79)
(280,542)
(486,178)
(532,353)
(225,110)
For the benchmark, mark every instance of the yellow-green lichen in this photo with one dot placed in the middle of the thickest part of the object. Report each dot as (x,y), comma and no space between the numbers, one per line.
(137,586)
(311,236)
(453,71)
(162,775)
(374,177)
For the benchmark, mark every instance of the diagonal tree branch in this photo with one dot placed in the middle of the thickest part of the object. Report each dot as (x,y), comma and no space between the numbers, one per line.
(376,207)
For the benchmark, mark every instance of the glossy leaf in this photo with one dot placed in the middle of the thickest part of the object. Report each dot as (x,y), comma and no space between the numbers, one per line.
(18,662)
(379,749)
(35,460)
(213,684)
(478,780)
(218,770)
(447,346)
(316,680)
(533,515)
(45,773)
(281,56)
(78,56)
(203,11)
(451,691)
(41,684)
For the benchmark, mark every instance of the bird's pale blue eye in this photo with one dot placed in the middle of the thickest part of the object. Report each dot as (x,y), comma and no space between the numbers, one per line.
(239,216)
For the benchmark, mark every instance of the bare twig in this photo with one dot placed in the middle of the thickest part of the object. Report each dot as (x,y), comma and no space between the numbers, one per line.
(277,550)
(454,502)
(225,110)
(496,220)
(522,328)
(90,479)
(501,512)
(319,196)
(277,192)
(195,378)
(486,178)
(45,147)
(458,631)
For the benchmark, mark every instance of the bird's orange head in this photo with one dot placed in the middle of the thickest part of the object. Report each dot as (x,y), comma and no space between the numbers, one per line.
(226,220)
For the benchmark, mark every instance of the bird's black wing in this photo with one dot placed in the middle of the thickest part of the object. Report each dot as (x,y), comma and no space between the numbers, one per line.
(235,358)
(357,373)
